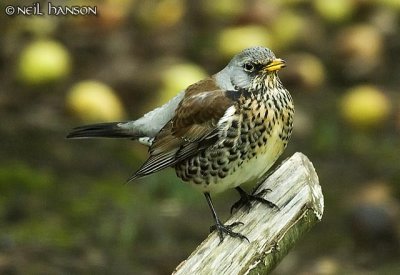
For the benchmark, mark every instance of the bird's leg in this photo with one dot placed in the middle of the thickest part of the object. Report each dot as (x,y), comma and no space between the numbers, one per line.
(220,227)
(246,199)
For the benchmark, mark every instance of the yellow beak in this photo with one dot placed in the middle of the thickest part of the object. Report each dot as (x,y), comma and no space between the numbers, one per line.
(275,65)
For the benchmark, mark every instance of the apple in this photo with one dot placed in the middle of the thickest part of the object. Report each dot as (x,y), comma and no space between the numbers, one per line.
(44,61)
(93,101)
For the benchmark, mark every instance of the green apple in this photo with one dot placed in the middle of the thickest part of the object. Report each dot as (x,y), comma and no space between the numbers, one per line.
(335,10)
(42,62)
(233,40)
(176,78)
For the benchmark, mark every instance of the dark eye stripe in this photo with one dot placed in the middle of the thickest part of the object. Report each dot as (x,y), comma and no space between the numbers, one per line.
(251,67)
(258,66)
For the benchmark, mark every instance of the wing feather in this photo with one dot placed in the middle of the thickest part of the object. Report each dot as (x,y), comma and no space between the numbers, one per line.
(193,128)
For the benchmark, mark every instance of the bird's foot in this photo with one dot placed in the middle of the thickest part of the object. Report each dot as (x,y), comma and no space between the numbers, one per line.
(227,229)
(246,199)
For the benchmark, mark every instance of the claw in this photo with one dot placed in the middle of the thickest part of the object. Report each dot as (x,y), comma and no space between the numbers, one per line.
(227,229)
(220,227)
(246,199)
(240,203)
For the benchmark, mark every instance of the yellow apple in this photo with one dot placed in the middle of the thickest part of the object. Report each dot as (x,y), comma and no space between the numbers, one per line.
(365,107)
(93,101)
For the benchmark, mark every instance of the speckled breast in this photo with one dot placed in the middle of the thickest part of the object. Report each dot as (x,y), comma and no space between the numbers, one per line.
(248,145)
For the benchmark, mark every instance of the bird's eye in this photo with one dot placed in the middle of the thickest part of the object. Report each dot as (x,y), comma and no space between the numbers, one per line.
(248,67)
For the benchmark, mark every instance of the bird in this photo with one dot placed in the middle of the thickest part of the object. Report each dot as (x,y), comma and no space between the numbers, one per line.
(218,133)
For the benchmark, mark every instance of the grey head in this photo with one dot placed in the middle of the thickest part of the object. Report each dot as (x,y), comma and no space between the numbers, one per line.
(248,67)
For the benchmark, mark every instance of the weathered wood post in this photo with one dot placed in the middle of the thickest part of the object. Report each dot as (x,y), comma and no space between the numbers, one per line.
(272,233)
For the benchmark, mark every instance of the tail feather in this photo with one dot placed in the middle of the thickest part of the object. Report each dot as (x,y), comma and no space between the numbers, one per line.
(108,130)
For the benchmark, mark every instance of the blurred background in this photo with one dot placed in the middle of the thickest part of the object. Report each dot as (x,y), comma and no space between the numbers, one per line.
(64,207)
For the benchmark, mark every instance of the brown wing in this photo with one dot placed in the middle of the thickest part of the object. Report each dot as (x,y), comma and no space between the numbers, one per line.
(192,129)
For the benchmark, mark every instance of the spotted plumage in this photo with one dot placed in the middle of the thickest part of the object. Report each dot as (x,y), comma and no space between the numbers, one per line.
(220,132)
(254,131)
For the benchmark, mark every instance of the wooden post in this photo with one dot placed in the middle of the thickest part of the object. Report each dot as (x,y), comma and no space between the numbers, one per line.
(272,233)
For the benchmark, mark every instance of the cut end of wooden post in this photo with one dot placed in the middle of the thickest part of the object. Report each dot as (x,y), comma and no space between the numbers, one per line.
(317,199)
